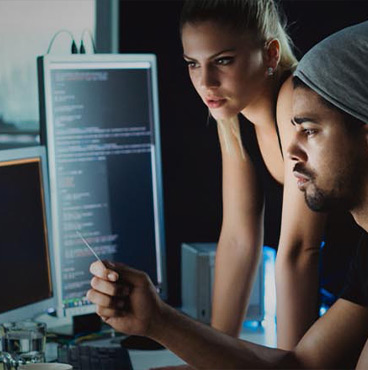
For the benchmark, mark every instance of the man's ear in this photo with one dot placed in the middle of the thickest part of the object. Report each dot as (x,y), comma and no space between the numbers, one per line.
(272,53)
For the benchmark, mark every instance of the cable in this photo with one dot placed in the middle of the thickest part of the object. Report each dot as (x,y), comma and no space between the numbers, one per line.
(82,49)
(74,49)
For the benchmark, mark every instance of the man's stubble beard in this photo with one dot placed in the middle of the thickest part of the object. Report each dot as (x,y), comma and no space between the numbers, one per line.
(342,196)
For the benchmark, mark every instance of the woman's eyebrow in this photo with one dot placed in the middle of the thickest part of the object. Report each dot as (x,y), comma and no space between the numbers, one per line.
(212,56)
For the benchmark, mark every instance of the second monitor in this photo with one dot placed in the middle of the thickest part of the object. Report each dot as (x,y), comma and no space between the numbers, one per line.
(99,121)
(26,253)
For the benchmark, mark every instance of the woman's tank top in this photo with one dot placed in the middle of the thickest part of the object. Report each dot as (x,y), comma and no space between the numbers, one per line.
(272,190)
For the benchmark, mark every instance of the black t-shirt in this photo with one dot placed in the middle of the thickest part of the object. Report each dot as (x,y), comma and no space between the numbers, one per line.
(356,287)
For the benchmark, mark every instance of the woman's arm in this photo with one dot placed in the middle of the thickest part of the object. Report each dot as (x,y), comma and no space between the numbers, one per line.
(241,235)
(297,275)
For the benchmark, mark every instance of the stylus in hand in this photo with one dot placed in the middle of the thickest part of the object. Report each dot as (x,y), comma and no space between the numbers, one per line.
(89,246)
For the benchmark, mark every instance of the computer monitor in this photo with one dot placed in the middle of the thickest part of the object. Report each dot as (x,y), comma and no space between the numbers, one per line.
(26,254)
(100,123)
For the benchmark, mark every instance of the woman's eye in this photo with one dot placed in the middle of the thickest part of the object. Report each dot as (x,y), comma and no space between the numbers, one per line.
(190,64)
(223,61)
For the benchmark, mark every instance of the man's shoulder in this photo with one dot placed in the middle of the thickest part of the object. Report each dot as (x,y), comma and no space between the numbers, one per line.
(356,287)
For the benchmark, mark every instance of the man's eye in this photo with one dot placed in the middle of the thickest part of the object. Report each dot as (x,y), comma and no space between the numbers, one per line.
(223,61)
(309,131)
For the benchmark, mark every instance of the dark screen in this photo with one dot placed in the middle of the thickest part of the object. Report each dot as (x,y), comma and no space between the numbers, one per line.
(24,267)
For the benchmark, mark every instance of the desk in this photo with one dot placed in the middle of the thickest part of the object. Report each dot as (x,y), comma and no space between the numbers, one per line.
(264,334)
(144,360)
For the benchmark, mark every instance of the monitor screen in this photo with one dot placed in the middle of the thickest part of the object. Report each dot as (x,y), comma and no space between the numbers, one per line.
(99,121)
(26,259)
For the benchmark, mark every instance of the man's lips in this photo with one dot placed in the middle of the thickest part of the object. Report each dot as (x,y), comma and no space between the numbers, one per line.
(215,102)
(301,179)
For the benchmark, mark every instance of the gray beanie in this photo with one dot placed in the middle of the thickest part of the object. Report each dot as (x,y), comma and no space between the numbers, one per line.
(337,69)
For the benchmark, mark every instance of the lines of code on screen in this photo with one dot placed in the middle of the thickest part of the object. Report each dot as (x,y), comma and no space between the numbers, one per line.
(103,155)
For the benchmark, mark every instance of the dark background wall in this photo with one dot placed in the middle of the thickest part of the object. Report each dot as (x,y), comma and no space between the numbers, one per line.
(190,150)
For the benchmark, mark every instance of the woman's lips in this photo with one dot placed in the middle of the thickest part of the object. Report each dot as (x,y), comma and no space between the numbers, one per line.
(215,102)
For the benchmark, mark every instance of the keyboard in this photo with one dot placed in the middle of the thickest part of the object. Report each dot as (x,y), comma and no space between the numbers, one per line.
(98,358)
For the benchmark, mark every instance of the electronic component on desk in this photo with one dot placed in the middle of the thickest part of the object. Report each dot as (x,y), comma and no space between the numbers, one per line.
(98,358)
(197,279)
(138,342)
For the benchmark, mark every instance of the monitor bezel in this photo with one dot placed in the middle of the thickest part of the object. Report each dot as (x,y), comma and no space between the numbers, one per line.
(31,311)
(48,63)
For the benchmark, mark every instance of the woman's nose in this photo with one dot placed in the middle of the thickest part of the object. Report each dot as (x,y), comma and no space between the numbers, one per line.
(209,78)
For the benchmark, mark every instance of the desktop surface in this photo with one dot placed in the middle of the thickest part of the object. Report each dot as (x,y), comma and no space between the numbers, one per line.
(260,333)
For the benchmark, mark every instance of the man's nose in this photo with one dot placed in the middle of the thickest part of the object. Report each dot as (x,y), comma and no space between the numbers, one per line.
(295,152)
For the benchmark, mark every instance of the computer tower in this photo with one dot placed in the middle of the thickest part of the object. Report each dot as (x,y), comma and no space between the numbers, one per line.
(197,279)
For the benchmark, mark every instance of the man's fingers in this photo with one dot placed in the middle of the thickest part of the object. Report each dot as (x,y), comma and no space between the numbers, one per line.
(111,289)
(100,270)
(99,298)
(106,312)
(106,301)
(115,271)
(130,275)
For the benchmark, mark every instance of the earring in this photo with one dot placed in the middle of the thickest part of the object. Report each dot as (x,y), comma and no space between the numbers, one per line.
(270,71)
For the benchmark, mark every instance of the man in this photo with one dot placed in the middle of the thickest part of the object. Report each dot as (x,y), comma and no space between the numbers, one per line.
(330,151)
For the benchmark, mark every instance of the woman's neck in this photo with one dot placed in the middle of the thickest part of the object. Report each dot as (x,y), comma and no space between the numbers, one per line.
(261,112)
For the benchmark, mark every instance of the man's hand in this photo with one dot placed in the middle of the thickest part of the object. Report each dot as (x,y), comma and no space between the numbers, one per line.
(126,299)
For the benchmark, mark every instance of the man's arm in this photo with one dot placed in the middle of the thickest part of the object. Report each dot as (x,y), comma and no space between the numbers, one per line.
(336,340)
(129,303)
(363,359)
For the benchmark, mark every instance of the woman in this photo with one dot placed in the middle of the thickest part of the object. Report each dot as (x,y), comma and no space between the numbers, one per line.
(240,62)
